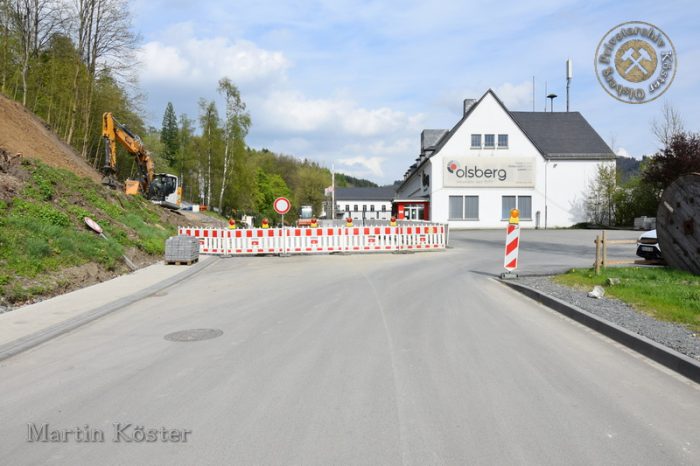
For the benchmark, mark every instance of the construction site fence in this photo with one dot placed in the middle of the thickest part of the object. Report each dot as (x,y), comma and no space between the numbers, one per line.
(420,237)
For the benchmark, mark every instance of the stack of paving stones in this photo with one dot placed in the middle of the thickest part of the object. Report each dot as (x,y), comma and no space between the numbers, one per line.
(181,250)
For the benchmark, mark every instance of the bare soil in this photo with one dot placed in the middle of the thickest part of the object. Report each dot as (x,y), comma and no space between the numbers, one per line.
(22,132)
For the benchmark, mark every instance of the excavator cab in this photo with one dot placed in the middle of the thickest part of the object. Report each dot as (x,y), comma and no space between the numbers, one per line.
(165,190)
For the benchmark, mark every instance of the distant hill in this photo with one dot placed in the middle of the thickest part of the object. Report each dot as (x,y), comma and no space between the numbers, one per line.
(347,181)
(627,167)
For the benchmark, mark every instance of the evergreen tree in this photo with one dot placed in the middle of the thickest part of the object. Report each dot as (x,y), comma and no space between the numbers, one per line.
(169,135)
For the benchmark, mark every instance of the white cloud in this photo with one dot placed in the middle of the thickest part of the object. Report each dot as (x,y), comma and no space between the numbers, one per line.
(293,112)
(203,61)
(622,152)
(515,96)
(372,165)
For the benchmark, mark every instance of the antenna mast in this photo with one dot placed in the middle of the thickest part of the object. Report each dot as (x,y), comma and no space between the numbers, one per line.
(569,75)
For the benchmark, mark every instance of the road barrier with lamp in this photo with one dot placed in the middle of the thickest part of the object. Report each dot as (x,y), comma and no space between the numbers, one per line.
(417,237)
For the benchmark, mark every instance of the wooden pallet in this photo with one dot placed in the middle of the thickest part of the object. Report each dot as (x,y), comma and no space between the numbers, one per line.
(181,262)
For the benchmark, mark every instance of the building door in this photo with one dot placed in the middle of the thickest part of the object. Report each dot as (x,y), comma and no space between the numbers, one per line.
(414,212)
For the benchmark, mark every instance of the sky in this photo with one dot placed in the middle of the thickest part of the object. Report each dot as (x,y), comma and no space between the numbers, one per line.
(351,84)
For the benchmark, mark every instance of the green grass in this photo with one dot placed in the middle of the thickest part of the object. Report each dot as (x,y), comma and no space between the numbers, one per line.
(42,229)
(664,293)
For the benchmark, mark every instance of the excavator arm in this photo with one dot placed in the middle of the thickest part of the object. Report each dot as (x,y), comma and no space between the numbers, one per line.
(113,132)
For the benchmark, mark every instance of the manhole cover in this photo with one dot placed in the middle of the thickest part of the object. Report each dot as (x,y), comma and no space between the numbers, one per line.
(195,334)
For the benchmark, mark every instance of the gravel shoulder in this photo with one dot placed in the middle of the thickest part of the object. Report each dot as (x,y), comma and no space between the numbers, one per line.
(613,310)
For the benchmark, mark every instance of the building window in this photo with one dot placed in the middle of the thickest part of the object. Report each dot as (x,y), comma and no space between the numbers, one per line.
(489,140)
(364,208)
(522,203)
(525,207)
(355,207)
(507,204)
(471,207)
(476,141)
(464,208)
(456,207)
(384,208)
(502,141)
(371,208)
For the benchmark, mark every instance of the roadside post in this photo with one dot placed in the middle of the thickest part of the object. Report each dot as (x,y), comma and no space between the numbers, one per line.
(510,262)
(94,226)
(282,206)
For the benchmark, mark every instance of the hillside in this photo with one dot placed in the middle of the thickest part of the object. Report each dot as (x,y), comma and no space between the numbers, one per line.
(45,193)
(22,132)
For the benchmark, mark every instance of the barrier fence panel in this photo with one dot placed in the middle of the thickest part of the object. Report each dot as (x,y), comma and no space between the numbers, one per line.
(420,236)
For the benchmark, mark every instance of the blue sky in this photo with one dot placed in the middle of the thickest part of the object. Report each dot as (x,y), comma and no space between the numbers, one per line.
(352,83)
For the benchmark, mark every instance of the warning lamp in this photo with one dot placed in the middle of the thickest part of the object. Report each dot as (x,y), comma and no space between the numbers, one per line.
(314,223)
(231,224)
(392,222)
(348,222)
(265,223)
(514,216)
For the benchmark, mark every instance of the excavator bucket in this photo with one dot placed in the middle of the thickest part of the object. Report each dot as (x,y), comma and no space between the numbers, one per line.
(132,187)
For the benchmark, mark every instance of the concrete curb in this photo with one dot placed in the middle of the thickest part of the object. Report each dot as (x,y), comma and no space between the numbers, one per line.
(37,338)
(684,365)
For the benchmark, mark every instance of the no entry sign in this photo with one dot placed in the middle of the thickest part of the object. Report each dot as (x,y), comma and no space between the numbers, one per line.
(282,205)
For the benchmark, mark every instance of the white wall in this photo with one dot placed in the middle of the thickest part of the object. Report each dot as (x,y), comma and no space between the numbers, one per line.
(377,214)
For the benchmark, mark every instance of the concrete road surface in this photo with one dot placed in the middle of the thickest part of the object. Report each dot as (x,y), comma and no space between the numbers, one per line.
(419,359)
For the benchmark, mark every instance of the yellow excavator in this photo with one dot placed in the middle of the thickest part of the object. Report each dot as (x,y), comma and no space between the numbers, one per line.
(159,188)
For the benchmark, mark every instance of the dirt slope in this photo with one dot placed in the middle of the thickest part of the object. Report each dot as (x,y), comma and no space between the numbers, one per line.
(23,132)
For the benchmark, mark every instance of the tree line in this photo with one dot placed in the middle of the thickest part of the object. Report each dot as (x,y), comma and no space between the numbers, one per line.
(615,197)
(69,61)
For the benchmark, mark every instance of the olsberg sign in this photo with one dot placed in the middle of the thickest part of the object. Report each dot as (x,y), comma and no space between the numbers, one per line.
(497,172)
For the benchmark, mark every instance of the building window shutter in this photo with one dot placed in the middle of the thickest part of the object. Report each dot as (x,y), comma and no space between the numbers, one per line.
(456,207)
(507,203)
(471,207)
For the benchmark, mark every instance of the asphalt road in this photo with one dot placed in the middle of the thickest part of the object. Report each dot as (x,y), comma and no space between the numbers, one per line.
(377,359)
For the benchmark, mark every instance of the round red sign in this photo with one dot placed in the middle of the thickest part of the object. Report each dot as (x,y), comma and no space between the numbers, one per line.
(282,205)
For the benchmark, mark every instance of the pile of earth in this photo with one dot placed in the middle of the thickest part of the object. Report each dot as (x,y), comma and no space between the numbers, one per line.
(22,132)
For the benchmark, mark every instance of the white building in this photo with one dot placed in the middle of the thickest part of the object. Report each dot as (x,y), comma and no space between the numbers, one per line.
(364,203)
(494,160)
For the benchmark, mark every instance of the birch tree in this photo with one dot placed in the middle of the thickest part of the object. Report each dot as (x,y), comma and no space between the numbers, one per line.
(209,122)
(235,130)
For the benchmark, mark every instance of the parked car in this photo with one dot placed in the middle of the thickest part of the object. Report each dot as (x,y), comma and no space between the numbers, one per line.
(648,246)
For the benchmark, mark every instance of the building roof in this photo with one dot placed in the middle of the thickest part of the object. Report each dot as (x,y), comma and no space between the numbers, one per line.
(382,193)
(556,135)
(563,135)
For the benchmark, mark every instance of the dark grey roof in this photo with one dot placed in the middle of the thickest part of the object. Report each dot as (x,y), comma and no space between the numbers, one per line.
(563,135)
(430,137)
(382,193)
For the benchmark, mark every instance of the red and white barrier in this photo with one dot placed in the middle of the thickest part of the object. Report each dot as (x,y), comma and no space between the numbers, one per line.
(510,261)
(318,240)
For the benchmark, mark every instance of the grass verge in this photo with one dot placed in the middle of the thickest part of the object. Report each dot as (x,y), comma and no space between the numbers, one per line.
(663,293)
(42,230)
